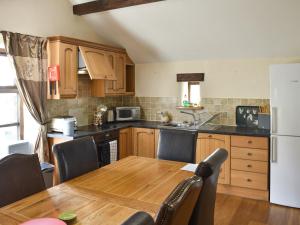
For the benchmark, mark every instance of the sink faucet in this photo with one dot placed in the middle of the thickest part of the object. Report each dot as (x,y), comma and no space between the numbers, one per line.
(193,115)
(210,119)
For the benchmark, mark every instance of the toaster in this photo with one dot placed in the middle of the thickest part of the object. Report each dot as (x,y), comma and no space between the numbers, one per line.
(57,123)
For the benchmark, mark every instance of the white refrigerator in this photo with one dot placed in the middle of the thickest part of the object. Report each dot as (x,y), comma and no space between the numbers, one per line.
(285,135)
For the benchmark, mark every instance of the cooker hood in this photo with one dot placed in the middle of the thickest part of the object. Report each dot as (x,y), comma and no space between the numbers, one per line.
(94,62)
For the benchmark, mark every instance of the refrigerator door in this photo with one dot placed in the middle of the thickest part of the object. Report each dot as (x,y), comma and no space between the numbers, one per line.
(285,104)
(285,167)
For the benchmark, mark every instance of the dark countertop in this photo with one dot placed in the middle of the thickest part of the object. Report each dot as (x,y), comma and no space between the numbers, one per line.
(228,130)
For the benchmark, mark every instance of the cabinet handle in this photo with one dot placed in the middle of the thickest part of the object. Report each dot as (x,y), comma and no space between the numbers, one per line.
(249,180)
(273,150)
(274,120)
(106,135)
(249,142)
(249,154)
(210,136)
(249,166)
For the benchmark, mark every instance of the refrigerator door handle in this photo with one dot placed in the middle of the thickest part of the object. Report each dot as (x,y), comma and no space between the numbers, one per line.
(273,150)
(274,120)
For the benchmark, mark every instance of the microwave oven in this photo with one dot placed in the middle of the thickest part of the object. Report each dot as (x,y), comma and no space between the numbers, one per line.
(128,113)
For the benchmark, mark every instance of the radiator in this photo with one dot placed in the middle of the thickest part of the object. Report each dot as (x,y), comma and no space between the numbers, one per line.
(22,147)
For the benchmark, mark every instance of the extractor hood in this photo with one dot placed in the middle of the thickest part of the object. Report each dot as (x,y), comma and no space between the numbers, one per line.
(94,62)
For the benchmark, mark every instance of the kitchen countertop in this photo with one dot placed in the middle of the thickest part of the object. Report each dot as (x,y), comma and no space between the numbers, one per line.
(222,129)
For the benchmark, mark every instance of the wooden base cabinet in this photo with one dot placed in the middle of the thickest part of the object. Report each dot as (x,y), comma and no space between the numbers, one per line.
(125,143)
(207,144)
(144,142)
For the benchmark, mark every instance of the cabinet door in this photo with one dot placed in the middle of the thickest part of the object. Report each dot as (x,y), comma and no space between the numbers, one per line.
(144,142)
(125,143)
(207,144)
(68,55)
(97,63)
(120,69)
(64,55)
(118,63)
(109,84)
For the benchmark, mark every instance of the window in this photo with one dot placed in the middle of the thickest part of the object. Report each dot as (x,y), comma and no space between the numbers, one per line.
(11,108)
(190,91)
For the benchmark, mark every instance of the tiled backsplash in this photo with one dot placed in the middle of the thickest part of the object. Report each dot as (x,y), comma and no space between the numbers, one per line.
(84,106)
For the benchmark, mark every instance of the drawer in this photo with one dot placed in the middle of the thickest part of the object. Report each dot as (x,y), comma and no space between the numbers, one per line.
(249,180)
(249,165)
(250,142)
(249,153)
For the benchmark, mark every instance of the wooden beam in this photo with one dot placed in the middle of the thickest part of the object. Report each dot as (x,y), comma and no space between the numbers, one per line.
(105,5)
(182,77)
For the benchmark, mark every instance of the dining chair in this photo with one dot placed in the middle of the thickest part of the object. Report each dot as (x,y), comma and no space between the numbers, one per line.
(177,145)
(20,176)
(74,158)
(139,218)
(208,170)
(177,207)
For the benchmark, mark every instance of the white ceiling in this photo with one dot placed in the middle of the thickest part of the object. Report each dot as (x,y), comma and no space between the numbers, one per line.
(202,29)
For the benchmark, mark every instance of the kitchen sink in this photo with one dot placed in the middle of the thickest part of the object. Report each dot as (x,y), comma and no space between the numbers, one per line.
(209,127)
(177,125)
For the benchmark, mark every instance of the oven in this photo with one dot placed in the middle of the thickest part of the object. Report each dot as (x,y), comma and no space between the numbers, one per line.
(107,146)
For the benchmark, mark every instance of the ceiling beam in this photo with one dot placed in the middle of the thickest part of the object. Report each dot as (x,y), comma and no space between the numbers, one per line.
(105,5)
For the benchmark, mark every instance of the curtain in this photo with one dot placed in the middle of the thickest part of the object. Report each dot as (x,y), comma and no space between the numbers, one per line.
(28,54)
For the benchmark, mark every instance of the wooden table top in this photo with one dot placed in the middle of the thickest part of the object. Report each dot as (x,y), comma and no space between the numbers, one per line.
(107,196)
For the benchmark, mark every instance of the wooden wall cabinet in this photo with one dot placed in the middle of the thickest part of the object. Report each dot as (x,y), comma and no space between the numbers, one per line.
(144,142)
(207,144)
(110,68)
(66,56)
(125,143)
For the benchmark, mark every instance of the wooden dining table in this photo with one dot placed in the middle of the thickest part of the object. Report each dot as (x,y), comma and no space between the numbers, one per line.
(108,195)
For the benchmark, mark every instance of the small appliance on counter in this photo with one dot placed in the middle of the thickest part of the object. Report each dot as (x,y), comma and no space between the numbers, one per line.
(57,124)
(110,116)
(128,113)
(247,116)
(264,121)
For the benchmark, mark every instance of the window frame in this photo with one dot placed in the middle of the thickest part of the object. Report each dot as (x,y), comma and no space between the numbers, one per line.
(20,116)
(190,83)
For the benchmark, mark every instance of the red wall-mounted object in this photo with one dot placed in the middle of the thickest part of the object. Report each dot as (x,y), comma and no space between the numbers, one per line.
(53,73)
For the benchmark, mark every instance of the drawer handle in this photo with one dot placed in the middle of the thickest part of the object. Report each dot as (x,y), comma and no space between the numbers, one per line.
(249,180)
(249,166)
(249,142)
(209,136)
(249,154)
(106,135)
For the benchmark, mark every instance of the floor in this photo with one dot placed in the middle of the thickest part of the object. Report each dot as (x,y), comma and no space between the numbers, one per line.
(231,210)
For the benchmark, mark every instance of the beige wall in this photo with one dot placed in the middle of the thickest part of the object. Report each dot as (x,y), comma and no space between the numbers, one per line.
(223,78)
(44,18)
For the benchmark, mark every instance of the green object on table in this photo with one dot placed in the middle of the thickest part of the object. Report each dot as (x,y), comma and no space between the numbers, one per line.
(67,216)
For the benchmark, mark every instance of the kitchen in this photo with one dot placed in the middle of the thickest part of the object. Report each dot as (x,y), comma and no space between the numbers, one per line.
(126,66)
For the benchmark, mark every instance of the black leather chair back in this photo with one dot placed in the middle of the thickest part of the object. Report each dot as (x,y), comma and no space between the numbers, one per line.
(177,145)
(139,218)
(76,157)
(178,207)
(208,170)
(20,176)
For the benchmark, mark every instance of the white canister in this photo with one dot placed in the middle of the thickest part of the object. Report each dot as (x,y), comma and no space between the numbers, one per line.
(68,128)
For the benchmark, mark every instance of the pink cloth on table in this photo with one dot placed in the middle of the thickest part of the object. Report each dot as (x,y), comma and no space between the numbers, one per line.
(44,221)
